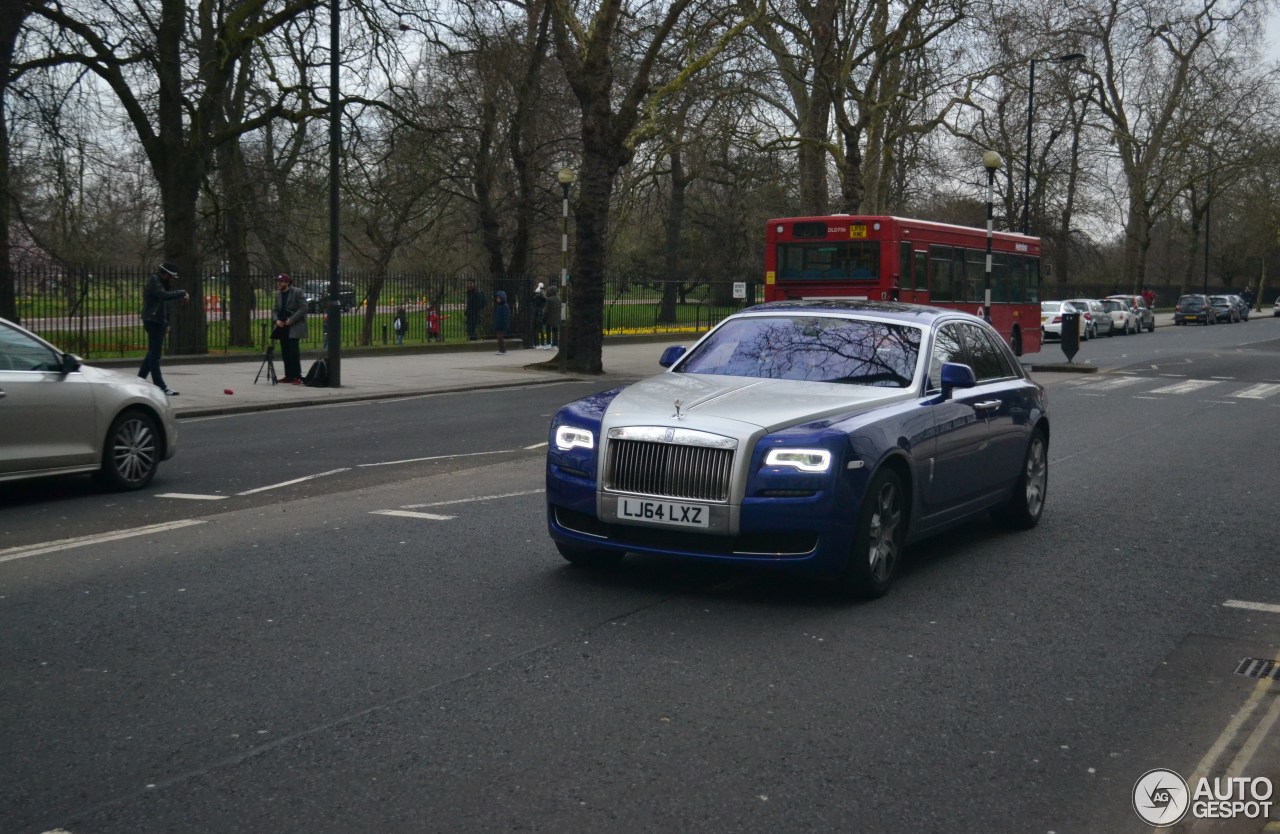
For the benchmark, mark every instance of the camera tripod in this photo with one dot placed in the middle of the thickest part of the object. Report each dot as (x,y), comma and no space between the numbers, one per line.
(268,363)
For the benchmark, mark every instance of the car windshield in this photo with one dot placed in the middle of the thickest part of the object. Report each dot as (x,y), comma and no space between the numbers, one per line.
(1189,300)
(810,349)
(1050,306)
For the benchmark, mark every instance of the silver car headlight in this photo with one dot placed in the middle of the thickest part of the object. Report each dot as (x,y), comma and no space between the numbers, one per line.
(805,460)
(571,437)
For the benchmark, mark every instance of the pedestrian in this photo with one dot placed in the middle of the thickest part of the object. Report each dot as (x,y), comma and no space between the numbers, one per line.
(156,296)
(1249,297)
(501,320)
(401,324)
(539,303)
(1149,297)
(291,325)
(475,303)
(553,317)
(433,324)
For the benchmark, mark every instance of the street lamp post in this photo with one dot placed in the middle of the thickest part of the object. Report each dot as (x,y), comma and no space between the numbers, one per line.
(333,311)
(991,161)
(566,178)
(1031,95)
(1208,218)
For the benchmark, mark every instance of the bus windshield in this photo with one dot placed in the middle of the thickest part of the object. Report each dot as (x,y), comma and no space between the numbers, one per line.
(842,260)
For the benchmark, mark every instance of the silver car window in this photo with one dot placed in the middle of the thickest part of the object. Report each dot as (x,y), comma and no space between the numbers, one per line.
(19,352)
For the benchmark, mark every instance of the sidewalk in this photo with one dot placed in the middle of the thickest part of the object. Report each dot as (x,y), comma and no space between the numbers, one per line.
(395,373)
(204,384)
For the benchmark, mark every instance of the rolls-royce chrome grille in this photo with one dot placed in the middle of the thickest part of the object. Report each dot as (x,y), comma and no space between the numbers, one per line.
(672,463)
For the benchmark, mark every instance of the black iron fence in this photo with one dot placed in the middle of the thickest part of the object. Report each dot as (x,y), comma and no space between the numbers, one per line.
(95,312)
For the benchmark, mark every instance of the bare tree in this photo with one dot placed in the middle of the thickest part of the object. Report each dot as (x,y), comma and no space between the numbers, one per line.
(1147,56)
(613,120)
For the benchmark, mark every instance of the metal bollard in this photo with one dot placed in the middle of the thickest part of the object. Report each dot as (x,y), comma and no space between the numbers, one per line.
(1070,334)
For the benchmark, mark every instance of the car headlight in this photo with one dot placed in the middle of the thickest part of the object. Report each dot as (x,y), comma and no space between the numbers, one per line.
(805,460)
(569,437)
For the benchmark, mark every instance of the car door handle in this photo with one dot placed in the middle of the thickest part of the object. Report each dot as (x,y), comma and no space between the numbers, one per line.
(987,405)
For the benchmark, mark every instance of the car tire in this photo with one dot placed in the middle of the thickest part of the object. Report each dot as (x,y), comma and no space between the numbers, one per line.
(877,538)
(589,557)
(131,452)
(1025,505)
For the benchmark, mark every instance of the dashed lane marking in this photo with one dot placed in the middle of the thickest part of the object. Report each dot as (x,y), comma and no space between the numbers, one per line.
(189,496)
(474,499)
(410,514)
(23,551)
(294,481)
(1252,606)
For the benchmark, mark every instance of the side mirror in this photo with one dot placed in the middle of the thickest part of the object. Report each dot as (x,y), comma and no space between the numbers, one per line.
(956,375)
(671,355)
(70,363)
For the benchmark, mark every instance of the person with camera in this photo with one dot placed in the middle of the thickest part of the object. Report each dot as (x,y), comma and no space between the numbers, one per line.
(156,296)
(290,326)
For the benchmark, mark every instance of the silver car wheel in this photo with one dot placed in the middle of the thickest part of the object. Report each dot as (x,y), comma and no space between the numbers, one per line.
(132,451)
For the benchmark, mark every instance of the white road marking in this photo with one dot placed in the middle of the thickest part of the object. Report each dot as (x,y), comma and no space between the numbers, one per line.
(408,514)
(294,481)
(538,445)
(436,457)
(191,496)
(474,499)
(1188,387)
(1258,392)
(23,551)
(1252,606)
(1118,382)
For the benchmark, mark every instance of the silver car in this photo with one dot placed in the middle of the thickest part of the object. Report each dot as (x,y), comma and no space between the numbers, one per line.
(61,417)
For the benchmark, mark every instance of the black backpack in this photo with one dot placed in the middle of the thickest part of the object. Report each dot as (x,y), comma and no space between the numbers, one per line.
(318,374)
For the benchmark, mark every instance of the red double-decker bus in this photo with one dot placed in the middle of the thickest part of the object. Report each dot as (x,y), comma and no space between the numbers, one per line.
(894,258)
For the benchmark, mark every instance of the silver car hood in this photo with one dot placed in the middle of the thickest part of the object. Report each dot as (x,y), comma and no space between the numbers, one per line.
(740,406)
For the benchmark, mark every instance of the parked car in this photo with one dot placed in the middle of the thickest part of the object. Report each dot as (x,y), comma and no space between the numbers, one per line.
(60,416)
(1275,308)
(1122,318)
(816,437)
(1224,309)
(1194,309)
(1143,314)
(317,295)
(1051,319)
(1242,306)
(1097,321)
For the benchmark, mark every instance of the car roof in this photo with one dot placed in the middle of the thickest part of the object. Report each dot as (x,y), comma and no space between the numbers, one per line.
(918,314)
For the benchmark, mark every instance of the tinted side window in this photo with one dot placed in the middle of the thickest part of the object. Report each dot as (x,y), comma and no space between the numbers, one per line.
(989,361)
(947,347)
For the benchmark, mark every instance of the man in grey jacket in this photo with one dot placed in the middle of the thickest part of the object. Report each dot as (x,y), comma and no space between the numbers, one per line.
(156,296)
(291,325)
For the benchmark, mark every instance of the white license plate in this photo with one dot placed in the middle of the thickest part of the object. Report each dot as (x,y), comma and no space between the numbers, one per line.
(662,512)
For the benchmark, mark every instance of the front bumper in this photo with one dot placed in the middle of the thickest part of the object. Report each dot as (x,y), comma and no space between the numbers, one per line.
(802,534)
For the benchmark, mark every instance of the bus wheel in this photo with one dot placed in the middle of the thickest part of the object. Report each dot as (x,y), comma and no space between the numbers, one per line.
(1016,342)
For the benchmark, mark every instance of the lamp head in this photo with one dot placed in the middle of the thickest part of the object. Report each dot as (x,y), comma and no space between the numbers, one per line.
(991,161)
(566,176)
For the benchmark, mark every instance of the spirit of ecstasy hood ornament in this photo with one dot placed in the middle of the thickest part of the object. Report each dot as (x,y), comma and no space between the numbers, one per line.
(678,415)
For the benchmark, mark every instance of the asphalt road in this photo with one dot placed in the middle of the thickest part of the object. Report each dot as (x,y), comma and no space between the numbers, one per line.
(397,646)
